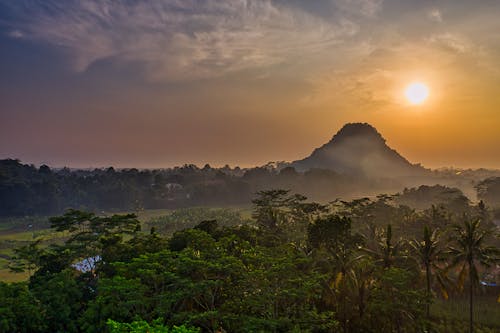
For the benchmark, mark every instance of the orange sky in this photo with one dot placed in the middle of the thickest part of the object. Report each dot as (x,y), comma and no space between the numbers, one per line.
(163,83)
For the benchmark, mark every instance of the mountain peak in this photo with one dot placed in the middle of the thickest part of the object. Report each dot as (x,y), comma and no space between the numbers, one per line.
(358,148)
(357,130)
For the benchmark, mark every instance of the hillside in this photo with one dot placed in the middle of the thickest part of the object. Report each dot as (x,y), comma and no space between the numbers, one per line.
(359,149)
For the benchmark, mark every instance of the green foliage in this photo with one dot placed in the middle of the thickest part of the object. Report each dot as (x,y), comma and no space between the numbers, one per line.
(141,326)
(301,267)
(334,234)
(27,258)
(211,283)
(469,250)
(20,311)
(62,297)
(489,191)
(190,217)
(91,235)
(27,190)
(395,304)
(386,251)
(283,217)
(425,196)
(429,254)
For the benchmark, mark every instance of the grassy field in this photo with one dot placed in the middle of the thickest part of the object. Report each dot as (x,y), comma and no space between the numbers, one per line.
(12,237)
(18,231)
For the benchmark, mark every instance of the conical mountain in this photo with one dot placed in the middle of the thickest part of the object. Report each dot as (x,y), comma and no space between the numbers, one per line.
(358,148)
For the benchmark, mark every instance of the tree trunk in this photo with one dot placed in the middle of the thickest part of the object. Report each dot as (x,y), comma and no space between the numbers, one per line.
(471,329)
(428,277)
(361,305)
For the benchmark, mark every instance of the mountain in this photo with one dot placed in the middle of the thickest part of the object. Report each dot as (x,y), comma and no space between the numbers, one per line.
(359,149)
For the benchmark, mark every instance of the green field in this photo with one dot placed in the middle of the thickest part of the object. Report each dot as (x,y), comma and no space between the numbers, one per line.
(16,232)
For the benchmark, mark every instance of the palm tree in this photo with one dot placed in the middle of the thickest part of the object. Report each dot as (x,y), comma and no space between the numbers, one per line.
(429,253)
(469,249)
(360,280)
(385,251)
(334,234)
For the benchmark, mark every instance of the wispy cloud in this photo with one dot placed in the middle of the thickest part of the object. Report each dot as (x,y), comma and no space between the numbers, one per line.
(179,39)
(452,42)
(368,8)
(435,15)
(15,34)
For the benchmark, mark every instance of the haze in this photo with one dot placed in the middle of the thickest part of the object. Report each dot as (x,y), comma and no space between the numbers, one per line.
(162,83)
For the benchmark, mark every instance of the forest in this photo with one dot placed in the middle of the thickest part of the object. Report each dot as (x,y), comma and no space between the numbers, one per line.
(294,265)
(26,190)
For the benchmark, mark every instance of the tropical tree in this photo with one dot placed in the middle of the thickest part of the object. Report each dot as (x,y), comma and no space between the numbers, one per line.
(361,279)
(285,217)
(429,253)
(89,235)
(20,311)
(27,258)
(469,249)
(334,235)
(385,251)
(395,305)
(142,326)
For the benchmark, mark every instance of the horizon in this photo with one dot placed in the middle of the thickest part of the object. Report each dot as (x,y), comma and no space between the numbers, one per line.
(233,165)
(161,83)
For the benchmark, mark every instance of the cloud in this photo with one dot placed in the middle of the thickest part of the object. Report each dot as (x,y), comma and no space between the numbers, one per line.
(15,34)
(179,39)
(452,42)
(435,15)
(367,8)
(343,89)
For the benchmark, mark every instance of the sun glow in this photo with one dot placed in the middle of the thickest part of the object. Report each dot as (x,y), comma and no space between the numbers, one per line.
(416,93)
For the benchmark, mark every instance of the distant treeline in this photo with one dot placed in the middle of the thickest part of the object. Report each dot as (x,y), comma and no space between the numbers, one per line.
(29,190)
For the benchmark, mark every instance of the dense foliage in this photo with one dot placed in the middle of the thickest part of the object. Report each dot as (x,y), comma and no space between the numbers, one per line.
(190,217)
(358,266)
(28,190)
(489,191)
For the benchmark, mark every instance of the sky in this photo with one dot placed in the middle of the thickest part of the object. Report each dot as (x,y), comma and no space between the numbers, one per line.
(159,83)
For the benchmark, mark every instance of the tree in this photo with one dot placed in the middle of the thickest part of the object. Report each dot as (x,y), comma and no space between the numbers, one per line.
(488,190)
(89,234)
(271,208)
(285,217)
(26,257)
(361,280)
(429,254)
(469,250)
(395,305)
(20,311)
(386,252)
(141,326)
(62,297)
(333,233)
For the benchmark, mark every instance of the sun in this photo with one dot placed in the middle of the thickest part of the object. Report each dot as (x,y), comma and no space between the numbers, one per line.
(416,93)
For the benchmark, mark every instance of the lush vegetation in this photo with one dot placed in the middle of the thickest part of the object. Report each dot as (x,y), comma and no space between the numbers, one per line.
(26,190)
(297,266)
(488,190)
